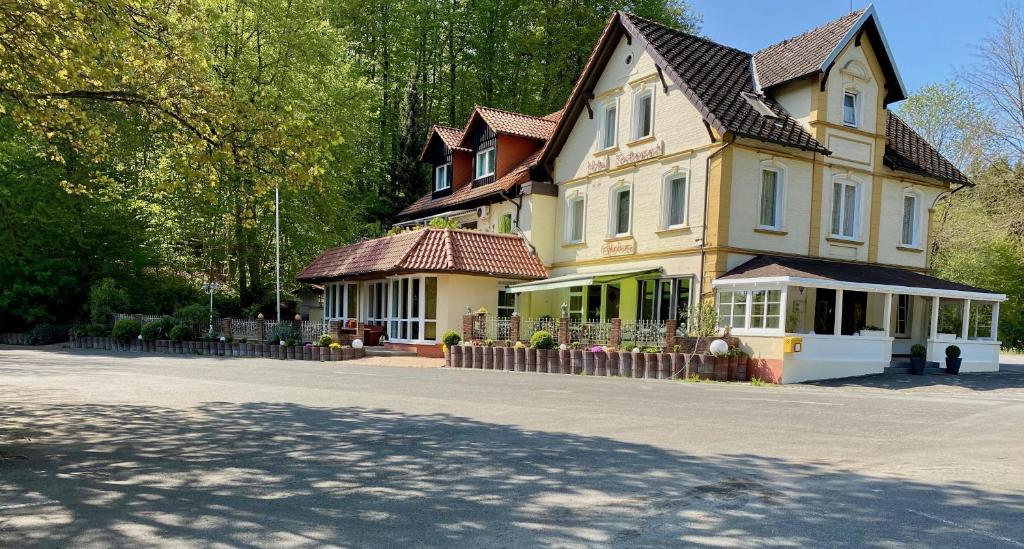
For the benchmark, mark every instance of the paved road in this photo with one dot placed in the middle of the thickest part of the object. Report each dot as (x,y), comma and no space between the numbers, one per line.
(130,450)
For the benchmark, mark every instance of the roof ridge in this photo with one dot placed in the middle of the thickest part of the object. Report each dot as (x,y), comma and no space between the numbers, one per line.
(541,118)
(449,249)
(447,127)
(858,13)
(690,34)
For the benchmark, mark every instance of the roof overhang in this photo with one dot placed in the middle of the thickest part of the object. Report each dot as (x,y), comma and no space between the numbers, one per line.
(579,279)
(887,61)
(773,282)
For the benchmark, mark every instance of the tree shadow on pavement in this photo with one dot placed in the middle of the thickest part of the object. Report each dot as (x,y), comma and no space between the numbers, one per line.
(1007,381)
(273,474)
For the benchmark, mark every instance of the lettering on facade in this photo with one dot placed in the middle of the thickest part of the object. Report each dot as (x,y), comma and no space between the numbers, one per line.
(611,249)
(633,157)
(597,165)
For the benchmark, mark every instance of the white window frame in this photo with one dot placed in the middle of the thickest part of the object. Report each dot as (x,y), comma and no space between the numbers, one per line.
(856,108)
(858,198)
(635,118)
(747,327)
(602,135)
(764,317)
(666,198)
(613,210)
(483,164)
(442,183)
(916,227)
(732,304)
(570,218)
(780,194)
(395,299)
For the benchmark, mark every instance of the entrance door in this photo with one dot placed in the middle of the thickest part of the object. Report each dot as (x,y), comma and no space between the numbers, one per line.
(855,311)
(824,311)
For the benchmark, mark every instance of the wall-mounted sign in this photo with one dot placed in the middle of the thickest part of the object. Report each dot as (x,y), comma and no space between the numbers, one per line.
(621,247)
(633,157)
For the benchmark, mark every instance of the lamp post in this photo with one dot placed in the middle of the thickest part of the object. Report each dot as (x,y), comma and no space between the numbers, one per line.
(211,287)
(277,247)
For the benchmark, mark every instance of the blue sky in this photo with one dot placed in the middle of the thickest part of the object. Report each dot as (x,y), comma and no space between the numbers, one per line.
(929,39)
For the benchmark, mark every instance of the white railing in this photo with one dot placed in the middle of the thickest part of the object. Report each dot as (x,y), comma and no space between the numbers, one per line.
(590,333)
(530,326)
(643,333)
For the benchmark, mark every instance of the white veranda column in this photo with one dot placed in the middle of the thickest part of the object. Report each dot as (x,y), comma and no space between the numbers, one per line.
(935,319)
(887,315)
(965,321)
(838,328)
(995,321)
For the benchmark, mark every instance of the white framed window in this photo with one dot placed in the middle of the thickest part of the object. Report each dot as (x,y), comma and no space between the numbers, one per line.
(773,196)
(910,229)
(851,116)
(411,308)
(902,328)
(846,203)
(643,114)
(674,199)
(732,309)
(621,210)
(484,163)
(575,218)
(609,134)
(506,303)
(443,177)
(765,309)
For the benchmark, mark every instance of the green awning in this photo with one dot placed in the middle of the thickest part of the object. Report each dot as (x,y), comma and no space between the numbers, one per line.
(579,279)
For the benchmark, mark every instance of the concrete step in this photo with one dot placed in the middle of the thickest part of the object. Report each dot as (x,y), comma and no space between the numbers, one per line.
(381,351)
(903,367)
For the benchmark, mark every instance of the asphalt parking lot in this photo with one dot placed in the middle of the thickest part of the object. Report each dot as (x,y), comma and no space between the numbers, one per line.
(118,450)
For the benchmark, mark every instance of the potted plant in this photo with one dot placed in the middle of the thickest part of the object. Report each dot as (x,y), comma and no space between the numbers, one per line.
(478,356)
(651,362)
(520,356)
(918,353)
(335,348)
(450,340)
(307,351)
(510,356)
(499,357)
(872,331)
(488,352)
(455,352)
(542,341)
(953,360)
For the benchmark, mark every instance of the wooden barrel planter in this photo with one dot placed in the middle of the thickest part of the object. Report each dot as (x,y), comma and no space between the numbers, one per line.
(531,359)
(600,364)
(613,363)
(679,363)
(499,358)
(478,357)
(743,368)
(588,363)
(665,365)
(519,361)
(576,361)
(307,352)
(651,365)
(455,356)
(626,364)
(721,368)
(542,361)
(555,361)
(488,357)
(565,361)
(510,359)
(734,361)
(335,354)
(314,353)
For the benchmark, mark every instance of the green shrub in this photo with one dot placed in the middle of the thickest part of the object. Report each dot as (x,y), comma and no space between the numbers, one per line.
(45,334)
(181,332)
(324,341)
(106,299)
(918,350)
(158,329)
(126,330)
(289,343)
(451,338)
(96,330)
(542,340)
(195,316)
(953,351)
(282,332)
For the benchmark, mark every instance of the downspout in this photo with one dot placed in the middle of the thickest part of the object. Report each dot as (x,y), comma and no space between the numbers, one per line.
(704,227)
(519,208)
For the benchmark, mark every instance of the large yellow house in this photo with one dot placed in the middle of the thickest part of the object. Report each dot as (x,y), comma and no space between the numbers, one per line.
(778,184)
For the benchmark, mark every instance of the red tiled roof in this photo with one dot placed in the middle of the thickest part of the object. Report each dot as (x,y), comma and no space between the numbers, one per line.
(429,250)
(448,135)
(906,150)
(468,193)
(512,123)
(803,54)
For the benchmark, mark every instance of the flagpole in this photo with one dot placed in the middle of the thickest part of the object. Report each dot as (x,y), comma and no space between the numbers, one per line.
(277,246)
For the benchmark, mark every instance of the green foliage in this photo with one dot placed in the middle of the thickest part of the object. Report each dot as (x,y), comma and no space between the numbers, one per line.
(703,320)
(289,343)
(953,351)
(107,299)
(152,331)
(451,338)
(918,350)
(181,332)
(125,330)
(282,332)
(443,223)
(195,316)
(325,340)
(542,340)
(45,334)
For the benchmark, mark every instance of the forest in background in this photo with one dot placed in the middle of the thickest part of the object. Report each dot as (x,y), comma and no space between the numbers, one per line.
(141,140)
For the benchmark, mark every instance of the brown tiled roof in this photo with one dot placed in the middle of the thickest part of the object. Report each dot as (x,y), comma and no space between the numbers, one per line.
(842,271)
(448,135)
(715,77)
(803,54)
(429,250)
(512,123)
(554,117)
(468,193)
(906,150)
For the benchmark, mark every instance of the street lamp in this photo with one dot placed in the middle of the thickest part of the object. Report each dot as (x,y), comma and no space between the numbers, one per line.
(211,287)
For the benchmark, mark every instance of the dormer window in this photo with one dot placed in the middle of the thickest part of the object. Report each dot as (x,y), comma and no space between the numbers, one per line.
(484,163)
(443,177)
(850,109)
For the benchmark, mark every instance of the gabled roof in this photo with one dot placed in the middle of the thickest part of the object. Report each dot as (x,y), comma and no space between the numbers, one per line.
(713,77)
(825,271)
(816,51)
(511,123)
(468,194)
(448,135)
(906,150)
(429,250)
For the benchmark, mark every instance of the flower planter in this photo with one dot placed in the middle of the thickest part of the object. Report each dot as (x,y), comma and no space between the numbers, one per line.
(307,352)
(499,358)
(520,359)
(273,350)
(679,366)
(917,364)
(743,368)
(721,371)
(488,358)
(626,360)
(554,362)
(478,358)
(613,363)
(510,359)
(589,365)
(565,361)
(953,365)
(542,360)
(576,361)
(665,366)
(456,356)
(531,359)
(706,367)
(650,366)
(601,364)
(734,361)
(335,355)
(314,354)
